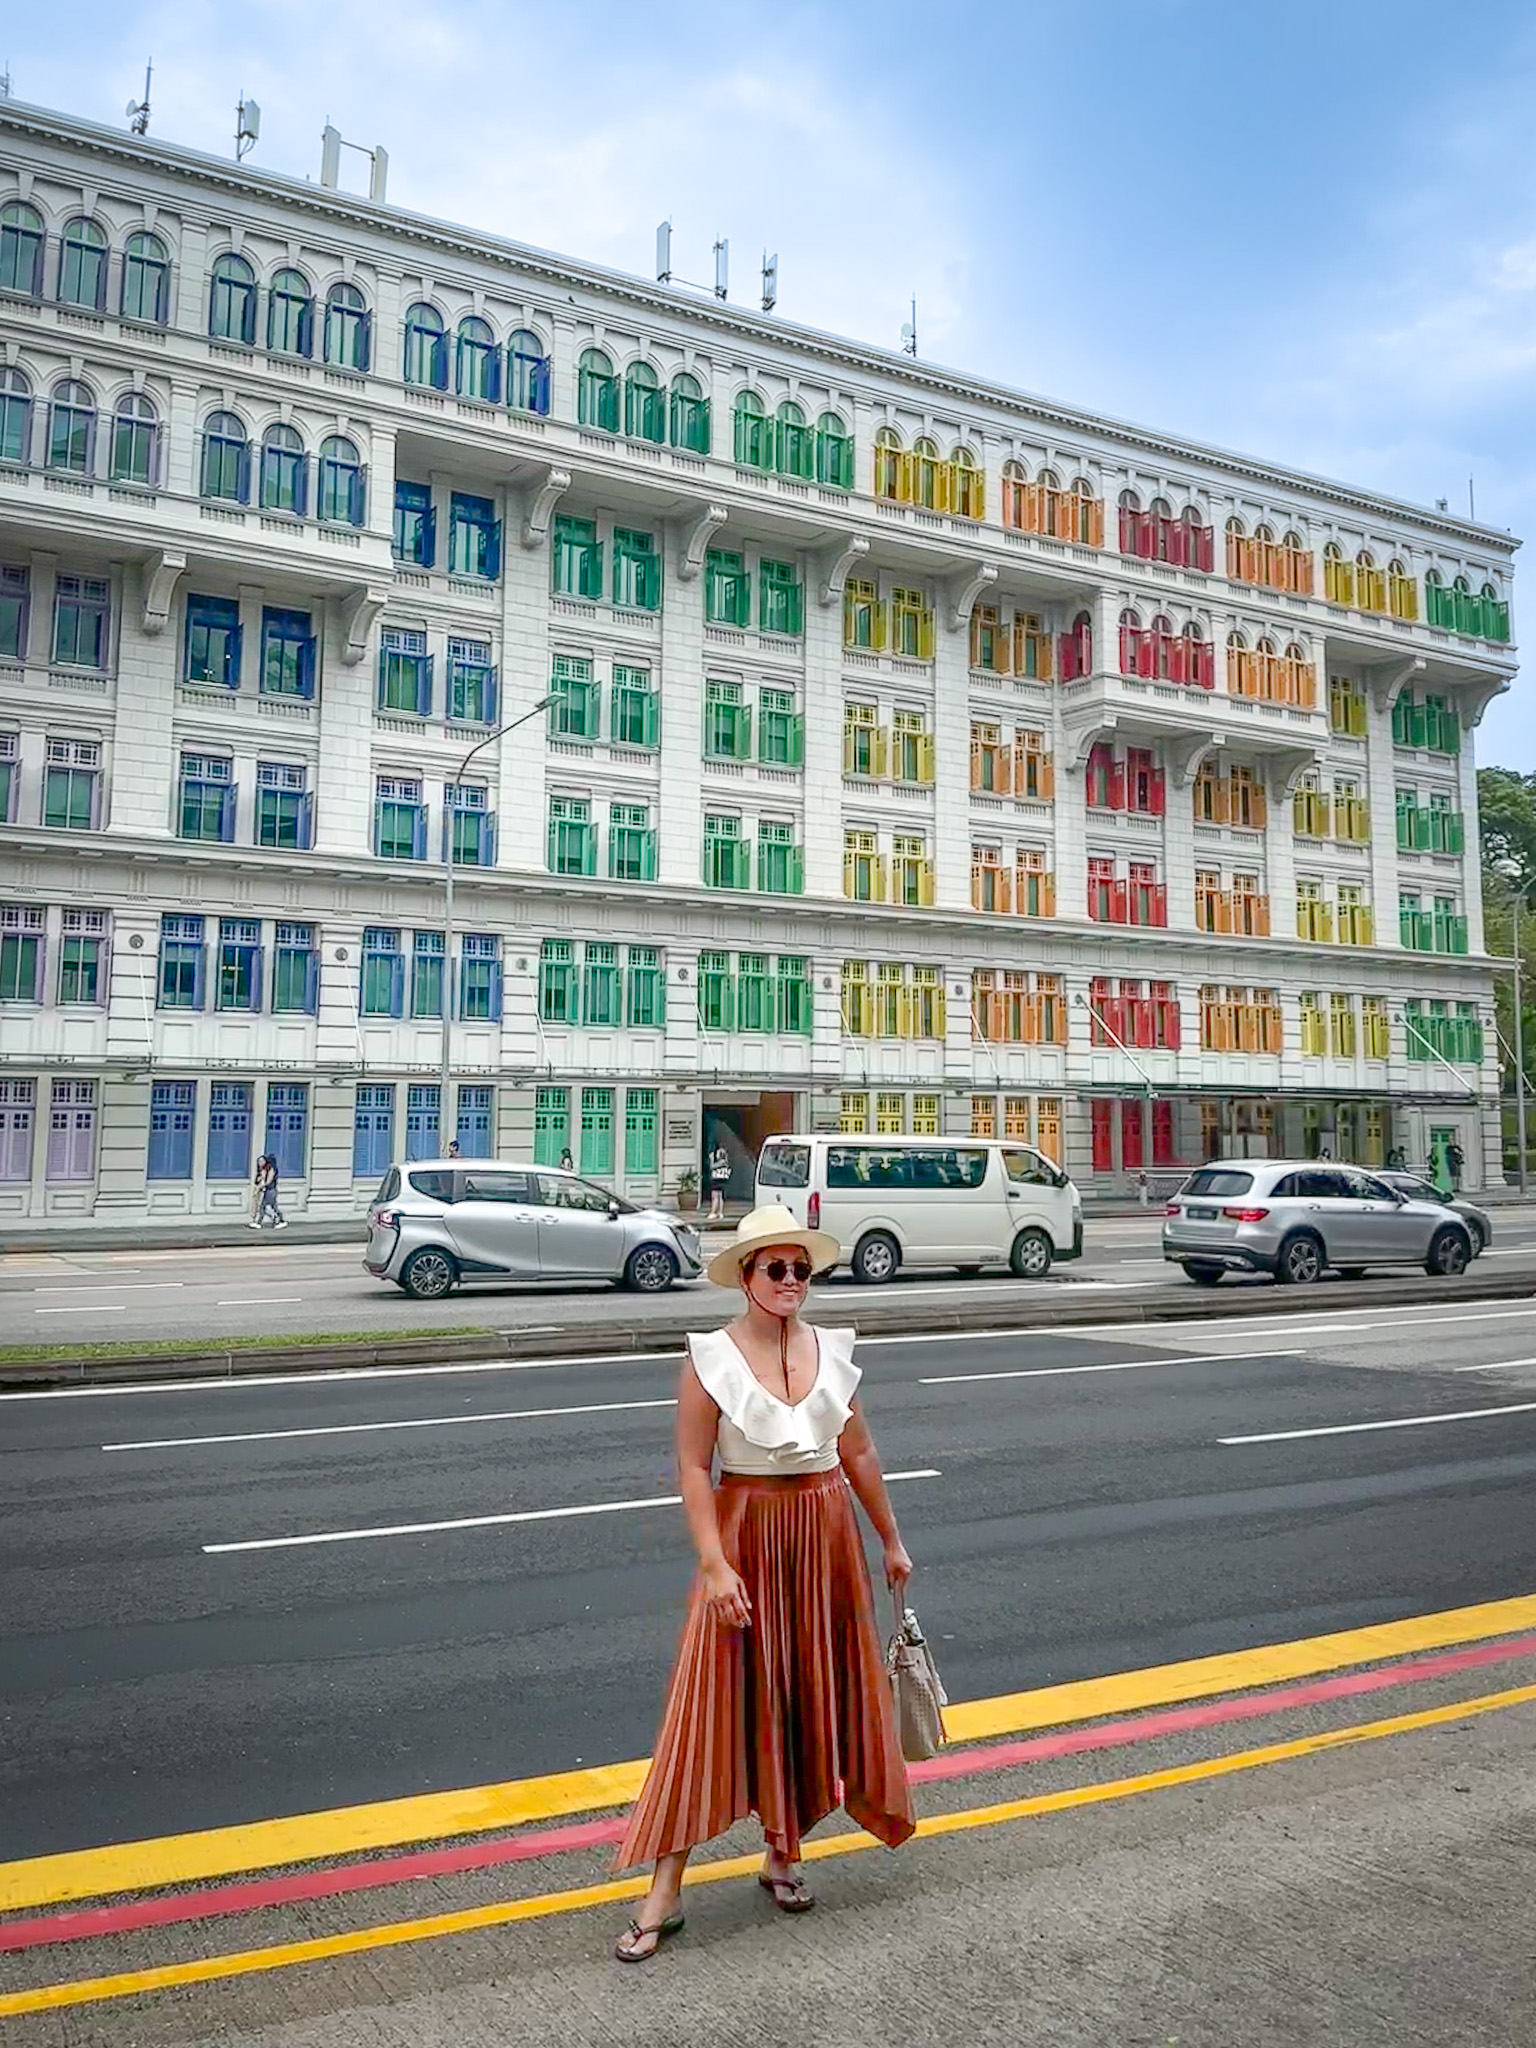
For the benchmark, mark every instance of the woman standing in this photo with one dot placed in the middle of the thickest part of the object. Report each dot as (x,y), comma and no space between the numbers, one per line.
(269,1196)
(779,1703)
(258,1189)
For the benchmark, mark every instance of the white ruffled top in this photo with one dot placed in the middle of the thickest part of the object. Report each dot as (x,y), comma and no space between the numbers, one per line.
(760,1435)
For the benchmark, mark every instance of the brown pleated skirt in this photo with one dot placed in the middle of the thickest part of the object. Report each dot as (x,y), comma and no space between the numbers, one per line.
(789,1717)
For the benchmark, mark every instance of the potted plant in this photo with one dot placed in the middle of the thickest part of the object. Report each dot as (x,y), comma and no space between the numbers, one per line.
(687,1192)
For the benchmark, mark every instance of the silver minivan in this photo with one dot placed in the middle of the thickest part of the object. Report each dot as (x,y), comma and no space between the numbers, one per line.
(436,1222)
(1295,1218)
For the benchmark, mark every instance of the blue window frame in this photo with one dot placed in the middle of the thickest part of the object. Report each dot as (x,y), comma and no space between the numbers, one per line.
(83,266)
(207,806)
(213,641)
(295,971)
(21,250)
(287,1123)
(72,429)
(473,1130)
(284,817)
(284,481)
(135,451)
(421,1120)
(82,608)
(427,974)
(146,289)
(15,417)
(415,525)
(373,1129)
(480,978)
(527,373)
(348,328)
(290,314)
(172,1114)
(399,819)
(405,672)
(474,537)
(239,982)
(182,958)
(341,496)
(467,818)
(471,682)
(15,610)
(226,466)
(382,991)
(232,301)
(229,1130)
(477,361)
(287,653)
(426,348)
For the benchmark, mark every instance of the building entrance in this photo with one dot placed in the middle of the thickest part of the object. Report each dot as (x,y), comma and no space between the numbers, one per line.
(741,1127)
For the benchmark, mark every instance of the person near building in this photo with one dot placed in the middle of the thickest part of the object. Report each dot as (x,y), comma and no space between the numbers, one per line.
(719,1181)
(453,1148)
(779,1703)
(258,1181)
(269,1207)
(567,1163)
(1455,1163)
(1143,1188)
(1397,1159)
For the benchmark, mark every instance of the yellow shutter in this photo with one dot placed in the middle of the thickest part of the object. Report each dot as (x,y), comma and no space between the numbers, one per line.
(882,878)
(925,883)
(882,752)
(848,873)
(925,758)
(976,760)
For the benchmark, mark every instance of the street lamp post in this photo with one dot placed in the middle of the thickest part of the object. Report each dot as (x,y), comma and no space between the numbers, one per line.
(445,1087)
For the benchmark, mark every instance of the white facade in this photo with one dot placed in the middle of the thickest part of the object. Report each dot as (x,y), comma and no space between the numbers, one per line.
(144,1062)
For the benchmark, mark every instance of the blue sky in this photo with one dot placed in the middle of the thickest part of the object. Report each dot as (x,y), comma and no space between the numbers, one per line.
(1308,232)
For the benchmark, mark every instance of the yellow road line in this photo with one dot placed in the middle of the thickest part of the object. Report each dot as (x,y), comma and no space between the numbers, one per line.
(184,1859)
(358,1941)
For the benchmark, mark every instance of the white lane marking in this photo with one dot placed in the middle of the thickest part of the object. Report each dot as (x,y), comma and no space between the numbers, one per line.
(1051,1372)
(602,1507)
(111,1287)
(272,1436)
(257,1300)
(85,1308)
(234,1383)
(1494,1365)
(1285,1436)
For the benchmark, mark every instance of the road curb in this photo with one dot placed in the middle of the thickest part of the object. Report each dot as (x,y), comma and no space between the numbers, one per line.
(871,1319)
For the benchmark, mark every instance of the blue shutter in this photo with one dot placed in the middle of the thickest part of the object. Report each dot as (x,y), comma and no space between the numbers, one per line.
(538,385)
(487,841)
(357,497)
(493,375)
(258,955)
(447,833)
(493,551)
(429,537)
(227,815)
(424,664)
(440,362)
(378,824)
(307,654)
(312,979)
(364,342)
(495,1002)
(243,474)
(419,833)
(490,705)
(233,677)
(397,986)
(199,976)
(301,487)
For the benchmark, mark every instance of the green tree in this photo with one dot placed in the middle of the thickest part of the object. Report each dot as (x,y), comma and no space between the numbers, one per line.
(1506,802)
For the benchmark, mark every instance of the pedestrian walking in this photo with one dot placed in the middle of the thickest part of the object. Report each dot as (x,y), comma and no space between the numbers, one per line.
(1455,1160)
(779,1704)
(269,1205)
(1143,1189)
(258,1181)
(566,1161)
(719,1181)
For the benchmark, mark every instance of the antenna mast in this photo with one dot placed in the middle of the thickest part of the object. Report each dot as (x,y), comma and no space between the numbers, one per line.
(138,110)
(909,332)
(247,128)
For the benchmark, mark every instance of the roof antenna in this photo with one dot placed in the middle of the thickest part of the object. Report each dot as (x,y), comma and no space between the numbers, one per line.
(909,332)
(770,281)
(1471,500)
(138,110)
(247,128)
(722,266)
(5,83)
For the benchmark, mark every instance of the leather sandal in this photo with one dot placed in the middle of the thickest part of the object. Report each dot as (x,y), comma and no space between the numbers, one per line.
(790,1894)
(634,1934)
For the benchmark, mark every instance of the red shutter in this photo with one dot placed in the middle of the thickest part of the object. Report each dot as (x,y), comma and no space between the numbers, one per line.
(1160,904)
(1172,1025)
(1162,1134)
(1116,785)
(1129,527)
(1128,650)
(1117,908)
(1103,1135)
(1130,1135)
(1159,793)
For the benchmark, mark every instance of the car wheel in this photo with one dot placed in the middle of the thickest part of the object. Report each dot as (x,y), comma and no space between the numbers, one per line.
(1351,1272)
(429,1274)
(1448,1254)
(650,1269)
(1300,1262)
(1205,1276)
(1031,1256)
(875,1258)
(1479,1242)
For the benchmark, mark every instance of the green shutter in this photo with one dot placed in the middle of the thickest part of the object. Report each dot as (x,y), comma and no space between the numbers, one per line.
(640,1132)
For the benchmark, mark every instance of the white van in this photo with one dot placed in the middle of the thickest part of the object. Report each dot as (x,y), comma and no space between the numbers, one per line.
(891,1202)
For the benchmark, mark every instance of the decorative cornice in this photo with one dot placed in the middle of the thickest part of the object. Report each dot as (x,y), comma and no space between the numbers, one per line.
(535,529)
(965,590)
(1386,684)
(160,573)
(852,548)
(708,521)
(357,612)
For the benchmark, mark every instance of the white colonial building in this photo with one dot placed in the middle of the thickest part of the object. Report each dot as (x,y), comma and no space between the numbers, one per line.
(917,755)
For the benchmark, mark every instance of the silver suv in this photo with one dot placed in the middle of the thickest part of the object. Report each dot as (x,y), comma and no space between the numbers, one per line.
(1296,1217)
(436,1222)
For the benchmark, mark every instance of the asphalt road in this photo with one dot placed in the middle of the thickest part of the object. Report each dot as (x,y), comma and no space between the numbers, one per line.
(173,1658)
(273,1287)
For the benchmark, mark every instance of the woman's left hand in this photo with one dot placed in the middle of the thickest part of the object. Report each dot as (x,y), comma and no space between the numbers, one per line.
(898,1566)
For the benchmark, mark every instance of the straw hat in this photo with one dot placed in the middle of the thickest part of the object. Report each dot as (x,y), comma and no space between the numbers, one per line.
(771,1225)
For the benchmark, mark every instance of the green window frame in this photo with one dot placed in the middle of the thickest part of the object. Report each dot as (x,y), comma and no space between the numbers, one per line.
(636,571)
(717,993)
(794,994)
(781,598)
(780,730)
(727,856)
(645,989)
(576,559)
(641,1124)
(645,404)
(794,443)
(559,991)
(780,864)
(727,722)
(551,1125)
(572,839)
(754,993)
(690,415)
(575,700)
(427,974)
(634,712)
(834,454)
(597,1132)
(754,433)
(600,983)
(631,843)
(21,967)
(727,588)
(597,392)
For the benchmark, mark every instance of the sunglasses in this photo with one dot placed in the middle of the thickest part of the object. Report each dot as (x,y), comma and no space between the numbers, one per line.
(781,1269)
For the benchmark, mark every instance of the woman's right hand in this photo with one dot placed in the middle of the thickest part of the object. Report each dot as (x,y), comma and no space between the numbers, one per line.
(725,1595)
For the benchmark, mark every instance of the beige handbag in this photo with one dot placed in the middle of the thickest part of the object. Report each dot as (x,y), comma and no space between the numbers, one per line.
(916,1688)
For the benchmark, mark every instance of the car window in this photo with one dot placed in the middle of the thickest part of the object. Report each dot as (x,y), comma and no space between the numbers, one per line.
(784,1166)
(1319,1185)
(1218,1180)
(496,1187)
(435,1182)
(389,1186)
(867,1166)
(1416,1190)
(1289,1185)
(1370,1189)
(948,1168)
(564,1191)
(1028,1169)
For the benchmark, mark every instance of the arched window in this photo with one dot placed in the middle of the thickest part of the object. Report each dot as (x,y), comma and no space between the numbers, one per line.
(1087,515)
(1160,636)
(339,496)
(348,328)
(15,417)
(834,453)
(232,301)
(226,459)
(689,421)
(1338,575)
(597,392)
(83,265)
(426,348)
(1236,528)
(1135,526)
(476,361)
(794,446)
(645,408)
(1131,642)
(146,292)
(1015,494)
(290,314)
(135,440)
(927,483)
(754,432)
(1370,583)
(527,373)
(72,428)
(1077,649)
(21,249)
(892,466)
(968,493)
(284,484)
(1263,533)
(1192,658)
